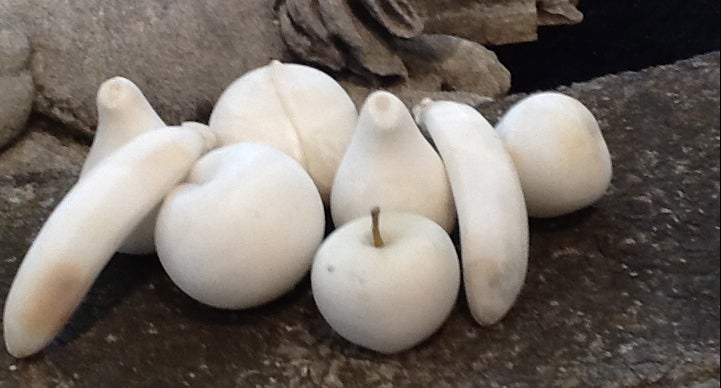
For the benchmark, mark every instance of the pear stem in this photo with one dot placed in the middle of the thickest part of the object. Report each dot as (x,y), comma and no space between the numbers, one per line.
(377,239)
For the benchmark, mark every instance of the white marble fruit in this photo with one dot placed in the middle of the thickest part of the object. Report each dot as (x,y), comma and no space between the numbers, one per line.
(559,152)
(391,165)
(386,296)
(294,108)
(88,226)
(243,229)
(491,211)
(123,114)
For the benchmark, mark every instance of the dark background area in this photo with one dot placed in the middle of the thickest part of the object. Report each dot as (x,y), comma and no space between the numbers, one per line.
(615,36)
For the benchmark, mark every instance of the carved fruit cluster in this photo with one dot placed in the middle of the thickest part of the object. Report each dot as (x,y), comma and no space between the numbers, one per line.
(235,209)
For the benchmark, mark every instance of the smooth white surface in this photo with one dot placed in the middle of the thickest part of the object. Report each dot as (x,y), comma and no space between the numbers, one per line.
(559,151)
(489,200)
(386,299)
(123,114)
(294,108)
(391,165)
(244,228)
(87,227)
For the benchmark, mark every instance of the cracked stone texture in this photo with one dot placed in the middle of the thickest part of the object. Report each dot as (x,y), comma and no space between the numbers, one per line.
(625,293)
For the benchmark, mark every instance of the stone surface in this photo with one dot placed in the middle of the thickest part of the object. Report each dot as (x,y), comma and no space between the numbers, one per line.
(558,12)
(441,67)
(380,39)
(182,54)
(14,49)
(495,22)
(16,100)
(16,84)
(449,63)
(625,293)
(398,17)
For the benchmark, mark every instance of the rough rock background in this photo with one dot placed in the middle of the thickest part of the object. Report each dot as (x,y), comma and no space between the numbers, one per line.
(16,85)
(495,22)
(183,53)
(625,293)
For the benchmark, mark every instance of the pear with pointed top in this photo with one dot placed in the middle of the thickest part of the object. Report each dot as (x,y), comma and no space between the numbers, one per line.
(123,114)
(296,109)
(390,164)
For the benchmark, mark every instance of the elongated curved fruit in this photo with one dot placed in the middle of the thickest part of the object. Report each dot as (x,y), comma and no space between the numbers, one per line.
(489,200)
(294,108)
(391,165)
(124,114)
(87,227)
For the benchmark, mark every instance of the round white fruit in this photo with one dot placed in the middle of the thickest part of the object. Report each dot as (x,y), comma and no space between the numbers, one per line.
(387,298)
(294,108)
(243,230)
(562,159)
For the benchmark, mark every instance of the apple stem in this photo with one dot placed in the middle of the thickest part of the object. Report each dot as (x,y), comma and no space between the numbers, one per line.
(377,239)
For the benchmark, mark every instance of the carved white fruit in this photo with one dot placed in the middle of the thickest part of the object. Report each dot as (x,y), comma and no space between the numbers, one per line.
(294,108)
(559,152)
(244,228)
(123,114)
(386,297)
(491,211)
(391,165)
(87,227)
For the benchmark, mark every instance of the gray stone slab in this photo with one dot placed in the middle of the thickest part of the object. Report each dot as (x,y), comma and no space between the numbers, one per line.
(624,293)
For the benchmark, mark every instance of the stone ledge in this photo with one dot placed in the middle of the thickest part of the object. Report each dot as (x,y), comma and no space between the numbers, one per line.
(624,293)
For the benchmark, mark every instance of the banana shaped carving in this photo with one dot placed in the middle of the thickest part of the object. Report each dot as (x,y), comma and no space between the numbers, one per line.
(88,226)
(489,201)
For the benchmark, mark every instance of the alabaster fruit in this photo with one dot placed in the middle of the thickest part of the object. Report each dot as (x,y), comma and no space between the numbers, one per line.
(386,287)
(123,114)
(559,152)
(294,108)
(243,229)
(491,211)
(87,227)
(391,165)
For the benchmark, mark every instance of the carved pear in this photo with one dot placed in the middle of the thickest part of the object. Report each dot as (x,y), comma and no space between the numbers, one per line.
(391,165)
(123,114)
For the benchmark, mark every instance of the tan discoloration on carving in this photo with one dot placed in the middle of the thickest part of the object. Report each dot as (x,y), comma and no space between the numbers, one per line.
(574,144)
(55,298)
(515,155)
